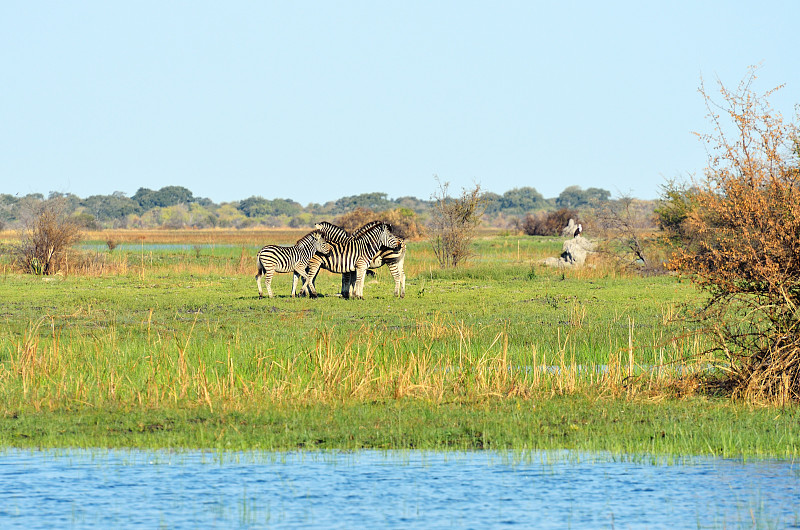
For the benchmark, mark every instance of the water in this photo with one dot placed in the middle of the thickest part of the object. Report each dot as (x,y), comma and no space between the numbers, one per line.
(148,489)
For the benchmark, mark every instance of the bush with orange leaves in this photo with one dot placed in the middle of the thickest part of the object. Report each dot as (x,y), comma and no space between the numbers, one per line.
(404,221)
(742,235)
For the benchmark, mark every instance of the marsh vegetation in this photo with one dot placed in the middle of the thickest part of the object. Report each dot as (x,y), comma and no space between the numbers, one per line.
(160,343)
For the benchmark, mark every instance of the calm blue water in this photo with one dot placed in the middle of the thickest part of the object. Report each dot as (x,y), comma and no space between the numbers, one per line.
(120,488)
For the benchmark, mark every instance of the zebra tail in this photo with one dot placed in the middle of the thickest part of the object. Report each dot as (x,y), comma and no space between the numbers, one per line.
(261,269)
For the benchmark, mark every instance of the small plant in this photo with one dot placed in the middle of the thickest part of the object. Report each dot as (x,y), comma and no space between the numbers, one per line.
(111,244)
(46,235)
(453,224)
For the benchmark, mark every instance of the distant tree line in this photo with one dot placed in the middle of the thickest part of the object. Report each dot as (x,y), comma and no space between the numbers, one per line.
(177,207)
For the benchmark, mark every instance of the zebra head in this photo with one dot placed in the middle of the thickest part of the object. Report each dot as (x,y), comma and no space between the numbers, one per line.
(321,244)
(387,238)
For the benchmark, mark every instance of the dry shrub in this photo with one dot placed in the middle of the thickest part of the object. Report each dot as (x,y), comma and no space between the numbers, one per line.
(628,227)
(453,223)
(548,223)
(47,233)
(745,229)
(404,222)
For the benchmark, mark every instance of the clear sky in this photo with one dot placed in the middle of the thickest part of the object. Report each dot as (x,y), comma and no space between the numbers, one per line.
(316,100)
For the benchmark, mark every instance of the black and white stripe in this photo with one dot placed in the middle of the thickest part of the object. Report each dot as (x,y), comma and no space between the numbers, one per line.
(277,258)
(394,258)
(352,255)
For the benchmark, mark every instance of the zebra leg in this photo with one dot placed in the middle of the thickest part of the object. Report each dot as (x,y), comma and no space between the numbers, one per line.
(396,275)
(298,272)
(308,284)
(258,279)
(402,278)
(348,279)
(268,282)
(295,276)
(361,272)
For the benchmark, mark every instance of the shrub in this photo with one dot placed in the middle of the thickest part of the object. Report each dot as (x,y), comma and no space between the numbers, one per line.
(453,224)
(356,218)
(548,223)
(745,219)
(45,236)
(404,221)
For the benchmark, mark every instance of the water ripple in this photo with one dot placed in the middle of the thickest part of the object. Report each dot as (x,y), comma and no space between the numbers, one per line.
(104,488)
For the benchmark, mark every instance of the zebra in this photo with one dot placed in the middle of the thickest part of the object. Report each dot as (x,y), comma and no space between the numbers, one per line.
(393,258)
(353,254)
(277,258)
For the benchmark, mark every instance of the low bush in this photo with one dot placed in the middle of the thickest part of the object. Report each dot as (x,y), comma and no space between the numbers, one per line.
(405,222)
(548,223)
(46,235)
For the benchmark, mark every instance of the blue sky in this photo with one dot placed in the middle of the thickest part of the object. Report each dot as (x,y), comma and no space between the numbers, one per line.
(313,100)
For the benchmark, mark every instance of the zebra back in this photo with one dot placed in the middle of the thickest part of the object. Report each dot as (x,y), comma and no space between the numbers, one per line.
(337,234)
(344,255)
(286,257)
(369,226)
(332,232)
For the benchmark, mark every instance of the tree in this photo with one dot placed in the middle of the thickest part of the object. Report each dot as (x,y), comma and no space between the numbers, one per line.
(110,207)
(253,206)
(745,218)
(575,197)
(453,223)
(47,233)
(522,200)
(166,196)
(493,202)
(371,201)
(628,221)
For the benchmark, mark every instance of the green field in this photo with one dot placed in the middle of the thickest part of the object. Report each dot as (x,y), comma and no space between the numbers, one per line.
(166,344)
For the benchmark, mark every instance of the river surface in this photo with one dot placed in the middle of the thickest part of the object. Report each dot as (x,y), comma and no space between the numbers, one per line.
(395,489)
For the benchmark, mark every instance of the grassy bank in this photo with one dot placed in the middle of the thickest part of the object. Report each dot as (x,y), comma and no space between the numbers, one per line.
(574,422)
(168,345)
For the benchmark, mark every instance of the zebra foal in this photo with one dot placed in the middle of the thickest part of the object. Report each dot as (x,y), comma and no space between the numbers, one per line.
(278,258)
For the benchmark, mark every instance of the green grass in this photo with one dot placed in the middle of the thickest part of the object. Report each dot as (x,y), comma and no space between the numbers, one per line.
(174,348)
(575,422)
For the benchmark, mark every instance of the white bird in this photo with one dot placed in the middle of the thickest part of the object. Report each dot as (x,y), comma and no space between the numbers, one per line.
(578,231)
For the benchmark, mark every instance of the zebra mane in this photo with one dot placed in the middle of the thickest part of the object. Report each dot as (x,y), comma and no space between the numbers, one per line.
(369,226)
(308,237)
(333,232)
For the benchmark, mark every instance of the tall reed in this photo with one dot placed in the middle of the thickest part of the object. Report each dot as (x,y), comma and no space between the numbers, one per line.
(57,370)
